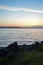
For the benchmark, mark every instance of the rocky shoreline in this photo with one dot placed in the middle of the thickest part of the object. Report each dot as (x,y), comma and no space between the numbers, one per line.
(14,48)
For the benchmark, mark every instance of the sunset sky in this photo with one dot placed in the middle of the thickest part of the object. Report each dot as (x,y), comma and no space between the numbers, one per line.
(21,12)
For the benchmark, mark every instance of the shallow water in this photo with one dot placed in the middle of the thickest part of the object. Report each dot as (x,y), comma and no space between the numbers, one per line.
(22,36)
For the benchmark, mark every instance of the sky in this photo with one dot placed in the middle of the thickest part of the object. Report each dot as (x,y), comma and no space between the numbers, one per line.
(21,12)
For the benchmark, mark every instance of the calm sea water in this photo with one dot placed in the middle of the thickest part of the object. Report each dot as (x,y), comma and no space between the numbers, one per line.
(22,36)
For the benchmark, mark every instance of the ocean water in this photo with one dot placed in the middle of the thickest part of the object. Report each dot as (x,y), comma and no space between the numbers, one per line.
(22,36)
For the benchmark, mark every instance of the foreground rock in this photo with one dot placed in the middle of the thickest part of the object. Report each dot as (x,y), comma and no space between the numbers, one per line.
(9,51)
(36,46)
(13,49)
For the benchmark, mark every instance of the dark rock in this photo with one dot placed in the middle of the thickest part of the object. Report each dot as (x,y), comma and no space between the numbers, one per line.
(3,52)
(9,51)
(42,42)
(13,47)
(37,46)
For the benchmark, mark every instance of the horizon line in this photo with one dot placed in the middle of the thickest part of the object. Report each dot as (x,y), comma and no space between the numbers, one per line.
(21,26)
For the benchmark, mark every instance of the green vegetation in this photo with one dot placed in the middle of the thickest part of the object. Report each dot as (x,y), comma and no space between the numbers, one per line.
(24,58)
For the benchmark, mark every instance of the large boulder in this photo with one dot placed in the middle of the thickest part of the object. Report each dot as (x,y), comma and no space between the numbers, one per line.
(37,46)
(13,47)
(41,42)
(9,51)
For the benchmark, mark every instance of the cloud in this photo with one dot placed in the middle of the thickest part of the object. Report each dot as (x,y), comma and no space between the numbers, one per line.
(20,9)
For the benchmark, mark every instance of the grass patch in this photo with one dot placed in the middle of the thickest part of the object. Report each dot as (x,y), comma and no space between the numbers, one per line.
(24,58)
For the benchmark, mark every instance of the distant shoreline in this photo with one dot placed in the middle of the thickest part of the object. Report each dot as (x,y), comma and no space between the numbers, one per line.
(32,27)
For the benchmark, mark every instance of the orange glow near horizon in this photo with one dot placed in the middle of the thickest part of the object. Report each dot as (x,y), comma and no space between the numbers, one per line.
(24,24)
(22,20)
